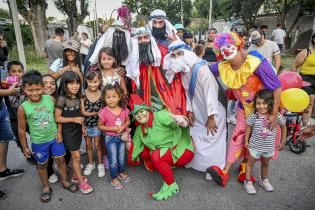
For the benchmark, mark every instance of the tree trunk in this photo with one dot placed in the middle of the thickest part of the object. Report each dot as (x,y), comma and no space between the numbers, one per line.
(295,21)
(39,26)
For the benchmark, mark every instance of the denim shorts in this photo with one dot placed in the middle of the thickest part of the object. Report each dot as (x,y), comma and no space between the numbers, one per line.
(6,133)
(257,154)
(41,152)
(93,131)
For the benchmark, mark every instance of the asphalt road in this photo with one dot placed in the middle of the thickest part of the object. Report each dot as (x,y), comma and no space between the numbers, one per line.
(293,178)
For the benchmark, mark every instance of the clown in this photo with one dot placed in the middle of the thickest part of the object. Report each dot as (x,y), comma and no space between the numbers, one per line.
(162,30)
(118,38)
(205,112)
(168,141)
(245,74)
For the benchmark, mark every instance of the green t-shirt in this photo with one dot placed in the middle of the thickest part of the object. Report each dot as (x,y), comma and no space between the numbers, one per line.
(41,121)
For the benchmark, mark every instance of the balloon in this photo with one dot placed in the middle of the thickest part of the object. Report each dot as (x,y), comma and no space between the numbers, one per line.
(295,100)
(290,79)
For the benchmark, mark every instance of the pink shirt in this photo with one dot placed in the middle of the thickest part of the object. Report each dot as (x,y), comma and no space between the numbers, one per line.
(110,119)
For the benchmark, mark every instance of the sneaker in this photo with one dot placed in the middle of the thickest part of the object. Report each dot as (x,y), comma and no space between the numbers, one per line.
(3,195)
(8,173)
(101,170)
(249,187)
(75,180)
(106,162)
(85,188)
(53,179)
(265,184)
(88,169)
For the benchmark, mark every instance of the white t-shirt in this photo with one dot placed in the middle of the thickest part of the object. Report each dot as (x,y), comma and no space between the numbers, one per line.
(268,50)
(278,35)
(85,50)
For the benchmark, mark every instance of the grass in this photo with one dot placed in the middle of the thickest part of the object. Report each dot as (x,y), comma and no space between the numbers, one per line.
(287,59)
(33,60)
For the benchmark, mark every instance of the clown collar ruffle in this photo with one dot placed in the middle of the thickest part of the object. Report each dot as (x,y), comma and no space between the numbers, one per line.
(236,78)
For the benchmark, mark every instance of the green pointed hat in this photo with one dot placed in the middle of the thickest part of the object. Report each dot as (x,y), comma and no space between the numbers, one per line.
(138,108)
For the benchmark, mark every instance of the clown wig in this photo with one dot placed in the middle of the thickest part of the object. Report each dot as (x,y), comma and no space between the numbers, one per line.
(226,39)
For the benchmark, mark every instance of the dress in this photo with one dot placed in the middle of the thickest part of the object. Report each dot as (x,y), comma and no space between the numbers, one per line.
(209,150)
(71,132)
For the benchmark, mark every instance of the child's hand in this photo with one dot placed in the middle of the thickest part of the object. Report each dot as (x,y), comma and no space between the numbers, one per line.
(27,152)
(79,120)
(59,137)
(280,146)
(120,129)
(84,131)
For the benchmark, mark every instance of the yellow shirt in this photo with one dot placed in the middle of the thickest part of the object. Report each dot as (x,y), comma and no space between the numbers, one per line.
(308,67)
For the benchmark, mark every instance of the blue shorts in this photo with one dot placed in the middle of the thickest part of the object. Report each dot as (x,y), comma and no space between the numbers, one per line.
(6,133)
(93,131)
(41,152)
(257,154)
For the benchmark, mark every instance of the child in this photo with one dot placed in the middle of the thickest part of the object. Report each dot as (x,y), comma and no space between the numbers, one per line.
(260,140)
(16,68)
(107,64)
(68,115)
(200,50)
(114,120)
(90,106)
(38,112)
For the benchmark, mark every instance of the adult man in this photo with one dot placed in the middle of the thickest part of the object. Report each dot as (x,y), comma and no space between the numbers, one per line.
(278,36)
(171,147)
(162,30)
(148,80)
(205,112)
(54,47)
(245,74)
(267,48)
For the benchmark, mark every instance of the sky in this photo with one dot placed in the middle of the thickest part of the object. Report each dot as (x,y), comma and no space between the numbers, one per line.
(103,8)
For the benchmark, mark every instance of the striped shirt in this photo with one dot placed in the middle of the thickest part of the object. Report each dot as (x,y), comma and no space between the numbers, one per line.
(262,138)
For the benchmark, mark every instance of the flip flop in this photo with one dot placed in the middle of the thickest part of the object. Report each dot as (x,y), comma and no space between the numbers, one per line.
(117,186)
(125,179)
(46,196)
(71,188)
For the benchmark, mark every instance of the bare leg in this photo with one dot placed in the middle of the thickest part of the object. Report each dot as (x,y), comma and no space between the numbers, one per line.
(249,167)
(307,115)
(76,157)
(89,148)
(42,172)
(97,141)
(61,163)
(3,156)
(264,167)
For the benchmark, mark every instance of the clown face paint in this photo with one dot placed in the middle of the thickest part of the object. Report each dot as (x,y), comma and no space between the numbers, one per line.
(142,116)
(229,52)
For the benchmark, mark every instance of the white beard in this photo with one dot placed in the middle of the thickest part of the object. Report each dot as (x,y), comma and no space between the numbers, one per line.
(179,65)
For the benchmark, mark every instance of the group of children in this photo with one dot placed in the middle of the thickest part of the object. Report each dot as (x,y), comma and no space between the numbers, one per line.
(57,119)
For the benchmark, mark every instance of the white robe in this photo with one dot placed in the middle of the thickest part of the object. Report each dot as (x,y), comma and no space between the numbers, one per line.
(209,150)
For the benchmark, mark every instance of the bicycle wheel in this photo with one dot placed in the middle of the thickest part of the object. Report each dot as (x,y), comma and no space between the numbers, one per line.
(297,148)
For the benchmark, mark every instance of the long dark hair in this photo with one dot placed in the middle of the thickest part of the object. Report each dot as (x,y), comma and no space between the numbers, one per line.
(123,102)
(66,78)
(119,45)
(55,94)
(109,51)
(267,96)
(77,59)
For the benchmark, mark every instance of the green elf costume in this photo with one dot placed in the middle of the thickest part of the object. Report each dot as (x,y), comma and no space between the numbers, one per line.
(165,138)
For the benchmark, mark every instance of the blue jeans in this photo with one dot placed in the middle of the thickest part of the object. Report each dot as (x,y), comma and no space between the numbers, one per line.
(6,133)
(116,154)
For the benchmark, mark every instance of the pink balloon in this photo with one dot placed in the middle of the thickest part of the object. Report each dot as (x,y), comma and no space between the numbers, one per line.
(290,79)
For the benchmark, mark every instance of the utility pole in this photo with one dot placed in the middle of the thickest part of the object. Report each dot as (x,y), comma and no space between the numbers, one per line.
(210,14)
(17,30)
(181,12)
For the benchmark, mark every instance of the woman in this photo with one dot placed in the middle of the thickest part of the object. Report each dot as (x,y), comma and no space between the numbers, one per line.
(305,61)
(85,46)
(70,62)
(210,56)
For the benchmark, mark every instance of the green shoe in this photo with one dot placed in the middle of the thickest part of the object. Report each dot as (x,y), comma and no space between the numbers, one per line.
(166,192)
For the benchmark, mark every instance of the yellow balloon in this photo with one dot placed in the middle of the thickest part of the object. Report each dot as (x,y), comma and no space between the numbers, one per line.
(295,99)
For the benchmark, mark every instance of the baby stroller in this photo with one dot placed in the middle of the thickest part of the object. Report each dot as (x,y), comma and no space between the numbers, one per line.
(293,123)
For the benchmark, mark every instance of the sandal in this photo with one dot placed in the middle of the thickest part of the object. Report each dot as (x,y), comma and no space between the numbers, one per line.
(117,186)
(45,196)
(125,179)
(71,188)
(75,180)
(85,188)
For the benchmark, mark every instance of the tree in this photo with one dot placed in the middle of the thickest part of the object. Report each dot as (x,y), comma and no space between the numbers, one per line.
(172,8)
(34,12)
(201,9)
(4,13)
(70,8)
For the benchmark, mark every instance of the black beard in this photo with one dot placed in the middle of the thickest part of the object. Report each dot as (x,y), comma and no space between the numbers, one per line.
(120,46)
(159,33)
(145,53)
